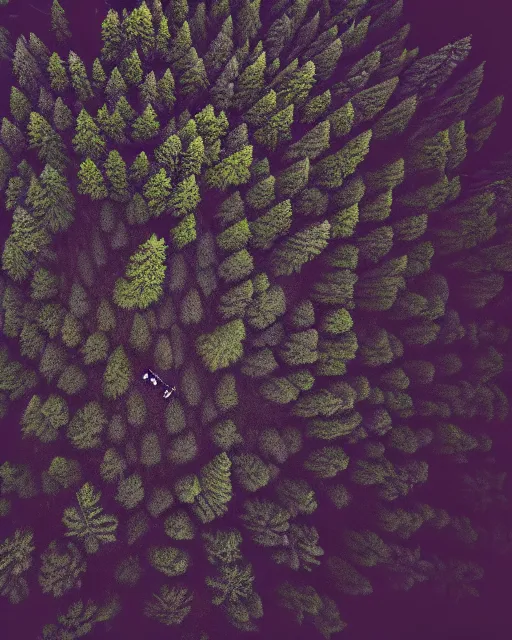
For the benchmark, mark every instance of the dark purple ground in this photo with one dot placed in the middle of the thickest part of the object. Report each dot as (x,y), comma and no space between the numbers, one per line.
(387,614)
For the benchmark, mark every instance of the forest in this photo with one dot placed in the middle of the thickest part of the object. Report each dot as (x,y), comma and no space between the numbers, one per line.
(272,206)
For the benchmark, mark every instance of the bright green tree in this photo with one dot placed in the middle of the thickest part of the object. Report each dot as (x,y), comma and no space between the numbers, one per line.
(117,375)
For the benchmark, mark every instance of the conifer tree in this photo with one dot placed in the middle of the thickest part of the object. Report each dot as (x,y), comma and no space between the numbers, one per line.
(138,29)
(59,80)
(116,88)
(20,105)
(60,24)
(166,90)
(88,522)
(156,192)
(145,274)
(61,568)
(99,77)
(215,489)
(117,375)
(146,126)
(223,346)
(88,140)
(112,36)
(50,146)
(115,169)
(91,181)
(62,115)
(131,68)
(79,78)
(15,560)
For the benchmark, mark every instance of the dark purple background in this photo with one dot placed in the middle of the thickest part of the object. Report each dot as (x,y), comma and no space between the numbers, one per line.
(395,615)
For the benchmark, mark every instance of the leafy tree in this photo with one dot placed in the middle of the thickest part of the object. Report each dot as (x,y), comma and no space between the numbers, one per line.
(15,560)
(89,522)
(130,491)
(117,375)
(112,466)
(61,568)
(223,346)
(145,274)
(170,606)
(60,24)
(327,462)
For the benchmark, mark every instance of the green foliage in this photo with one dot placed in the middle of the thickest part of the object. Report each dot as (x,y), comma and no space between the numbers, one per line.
(223,346)
(144,276)
(88,522)
(117,375)
(169,560)
(130,491)
(45,419)
(61,568)
(86,426)
(15,560)
(170,606)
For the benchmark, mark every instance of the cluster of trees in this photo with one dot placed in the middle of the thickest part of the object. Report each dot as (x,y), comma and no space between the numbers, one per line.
(300,308)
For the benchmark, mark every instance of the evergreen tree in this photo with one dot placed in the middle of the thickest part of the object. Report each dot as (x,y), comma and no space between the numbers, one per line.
(131,68)
(88,522)
(276,129)
(130,491)
(300,248)
(99,77)
(15,560)
(51,200)
(88,141)
(232,171)
(116,88)
(59,80)
(20,106)
(117,375)
(112,36)
(60,24)
(91,181)
(61,568)
(166,90)
(215,489)
(79,78)
(50,146)
(156,192)
(62,116)
(138,29)
(115,169)
(146,126)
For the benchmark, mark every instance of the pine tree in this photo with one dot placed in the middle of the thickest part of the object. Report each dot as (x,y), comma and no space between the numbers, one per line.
(145,274)
(50,146)
(15,560)
(112,36)
(99,77)
(44,419)
(91,181)
(139,168)
(88,141)
(146,126)
(20,105)
(232,171)
(79,78)
(221,48)
(59,80)
(170,606)
(138,29)
(117,375)
(163,38)
(156,192)
(115,169)
(276,130)
(52,201)
(88,522)
(166,90)
(131,68)
(60,24)
(216,490)
(26,68)
(62,116)
(12,137)
(116,87)
(223,346)
(61,568)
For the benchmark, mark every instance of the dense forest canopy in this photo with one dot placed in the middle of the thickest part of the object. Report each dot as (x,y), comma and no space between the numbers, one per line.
(270,205)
